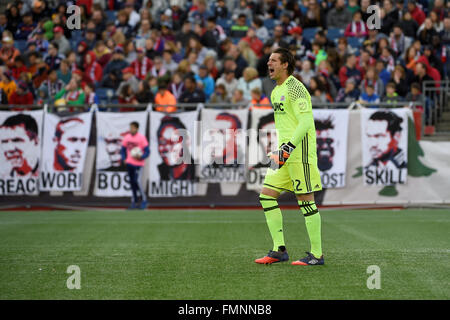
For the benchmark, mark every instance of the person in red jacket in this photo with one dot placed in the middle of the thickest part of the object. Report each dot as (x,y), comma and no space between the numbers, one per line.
(93,70)
(21,96)
(416,13)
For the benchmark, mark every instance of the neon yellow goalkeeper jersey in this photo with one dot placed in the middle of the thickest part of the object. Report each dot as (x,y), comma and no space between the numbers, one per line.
(291,102)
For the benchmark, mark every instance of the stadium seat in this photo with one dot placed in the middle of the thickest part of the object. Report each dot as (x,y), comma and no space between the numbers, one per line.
(309,33)
(269,24)
(335,33)
(355,42)
(225,24)
(102,94)
(21,45)
(111,15)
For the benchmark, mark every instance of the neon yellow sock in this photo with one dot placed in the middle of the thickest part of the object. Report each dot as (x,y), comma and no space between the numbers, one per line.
(274,220)
(313,226)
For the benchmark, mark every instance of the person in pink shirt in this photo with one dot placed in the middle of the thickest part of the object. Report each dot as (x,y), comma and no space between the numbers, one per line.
(135,164)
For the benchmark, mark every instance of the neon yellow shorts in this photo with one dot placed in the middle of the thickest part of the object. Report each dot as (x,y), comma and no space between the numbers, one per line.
(296,177)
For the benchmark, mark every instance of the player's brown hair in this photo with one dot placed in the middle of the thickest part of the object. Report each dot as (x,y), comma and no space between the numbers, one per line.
(286,56)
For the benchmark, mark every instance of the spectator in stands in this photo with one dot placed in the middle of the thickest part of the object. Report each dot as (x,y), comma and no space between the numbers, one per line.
(201,13)
(213,35)
(260,30)
(240,28)
(339,16)
(239,98)
(279,38)
(112,80)
(415,95)
(91,96)
(141,65)
(259,101)
(343,49)
(229,82)
(349,92)
(71,94)
(371,78)
(168,62)
(126,95)
(144,94)
(7,83)
(438,25)
(3,97)
(158,69)
(220,94)
(117,62)
(3,22)
(369,96)
(102,53)
(286,22)
(408,25)
(383,73)
(143,33)
(248,81)
(254,42)
(22,96)
(51,86)
(387,58)
(357,27)
(247,53)
(122,25)
(133,17)
(191,94)
(53,58)
(18,67)
(307,72)
(7,52)
(426,32)
(130,79)
(13,16)
(165,101)
(399,79)
(316,16)
(206,80)
(25,28)
(221,10)
(183,36)
(421,75)
(349,70)
(64,73)
(391,96)
(353,6)
(398,42)
(416,13)
(210,63)
(242,10)
(93,71)
(302,44)
(61,40)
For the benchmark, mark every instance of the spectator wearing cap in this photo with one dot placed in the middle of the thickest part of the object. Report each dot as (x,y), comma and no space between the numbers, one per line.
(206,80)
(22,96)
(128,78)
(53,58)
(61,40)
(26,27)
(7,83)
(7,52)
(416,13)
(117,62)
(191,94)
(302,44)
(165,101)
(141,65)
(357,27)
(40,41)
(339,16)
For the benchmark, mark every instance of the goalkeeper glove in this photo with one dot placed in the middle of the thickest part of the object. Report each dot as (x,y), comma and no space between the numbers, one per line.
(278,158)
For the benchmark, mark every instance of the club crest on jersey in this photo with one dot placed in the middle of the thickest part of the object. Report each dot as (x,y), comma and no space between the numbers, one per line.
(282,98)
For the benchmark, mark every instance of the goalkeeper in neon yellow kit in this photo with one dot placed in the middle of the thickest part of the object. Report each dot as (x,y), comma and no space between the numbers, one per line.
(293,167)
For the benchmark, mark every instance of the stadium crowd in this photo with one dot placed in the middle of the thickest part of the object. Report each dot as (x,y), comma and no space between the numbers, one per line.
(180,51)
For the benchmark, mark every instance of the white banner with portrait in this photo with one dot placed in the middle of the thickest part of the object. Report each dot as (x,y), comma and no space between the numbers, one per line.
(20,152)
(112,179)
(65,143)
(384,142)
(223,146)
(262,140)
(172,144)
(331,138)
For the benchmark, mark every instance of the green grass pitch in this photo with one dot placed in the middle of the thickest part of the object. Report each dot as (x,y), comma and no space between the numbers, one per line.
(208,254)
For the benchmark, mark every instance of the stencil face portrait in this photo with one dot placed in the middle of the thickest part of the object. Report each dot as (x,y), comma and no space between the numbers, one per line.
(69,144)
(227,131)
(113,142)
(383,133)
(267,135)
(19,144)
(325,144)
(170,143)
